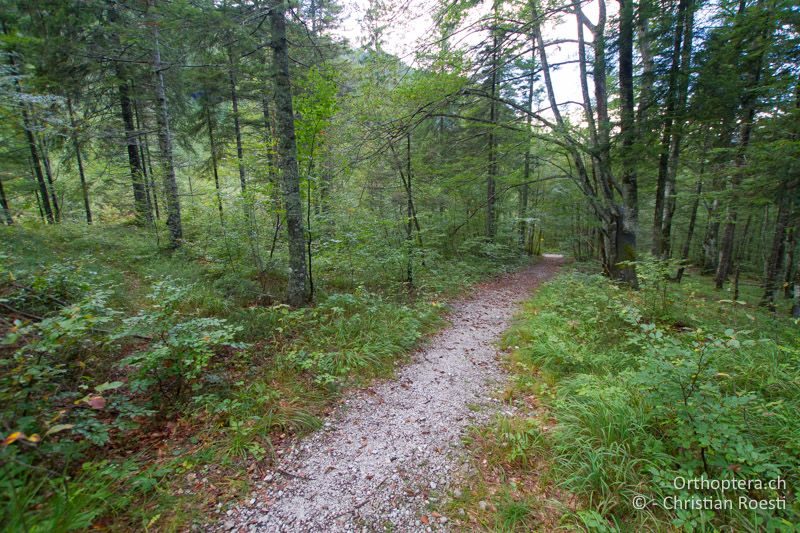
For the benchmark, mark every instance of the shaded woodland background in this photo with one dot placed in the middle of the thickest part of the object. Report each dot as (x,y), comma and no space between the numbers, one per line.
(198,191)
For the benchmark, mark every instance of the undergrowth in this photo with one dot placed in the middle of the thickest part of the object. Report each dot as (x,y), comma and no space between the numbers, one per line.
(625,394)
(141,388)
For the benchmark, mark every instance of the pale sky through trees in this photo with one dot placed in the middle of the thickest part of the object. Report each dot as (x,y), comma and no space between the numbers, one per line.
(411,28)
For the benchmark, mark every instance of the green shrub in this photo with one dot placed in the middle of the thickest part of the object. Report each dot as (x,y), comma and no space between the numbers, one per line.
(181,347)
(638,400)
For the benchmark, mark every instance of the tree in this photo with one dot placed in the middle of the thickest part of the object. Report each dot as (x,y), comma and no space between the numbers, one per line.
(296,293)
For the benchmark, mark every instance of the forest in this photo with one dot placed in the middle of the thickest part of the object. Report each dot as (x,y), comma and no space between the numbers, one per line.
(224,222)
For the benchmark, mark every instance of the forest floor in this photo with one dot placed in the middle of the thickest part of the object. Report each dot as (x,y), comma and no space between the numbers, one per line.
(390,451)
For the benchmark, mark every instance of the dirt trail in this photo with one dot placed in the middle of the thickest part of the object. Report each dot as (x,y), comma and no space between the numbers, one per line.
(392,448)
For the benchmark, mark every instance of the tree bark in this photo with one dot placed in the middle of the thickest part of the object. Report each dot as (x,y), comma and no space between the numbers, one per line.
(252,234)
(628,128)
(492,168)
(147,163)
(791,245)
(775,260)
(172,199)
(51,186)
(523,195)
(676,135)
(7,218)
(753,68)
(76,145)
(27,125)
(287,152)
(214,165)
(237,128)
(662,185)
(687,245)
(143,215)
(644,40)
(409,214)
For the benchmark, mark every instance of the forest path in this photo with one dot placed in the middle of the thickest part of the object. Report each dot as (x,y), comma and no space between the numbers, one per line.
(390,448)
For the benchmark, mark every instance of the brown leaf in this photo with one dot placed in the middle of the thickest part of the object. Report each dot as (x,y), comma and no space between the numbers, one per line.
(96,402)
(424,519)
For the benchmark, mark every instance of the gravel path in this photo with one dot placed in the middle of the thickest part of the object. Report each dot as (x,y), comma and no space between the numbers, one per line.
(393,448)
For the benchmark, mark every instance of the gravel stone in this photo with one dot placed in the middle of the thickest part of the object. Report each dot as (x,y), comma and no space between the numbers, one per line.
(382,451)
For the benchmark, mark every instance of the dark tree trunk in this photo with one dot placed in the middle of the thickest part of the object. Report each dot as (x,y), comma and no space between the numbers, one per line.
(27,125)
(630,207)
(492,168)
(753,69)
(44,196)
(7,218)
(74,135)
(775,259)
(710,252)
(676,135)
(143,215)
(644,42)
(237,127)
(142,158)
(791,245)
(409,214)
(523,195)
(287,152)
(147,163)
(172,198)
(687,245)
(668,132)
(214,165)
(51,186)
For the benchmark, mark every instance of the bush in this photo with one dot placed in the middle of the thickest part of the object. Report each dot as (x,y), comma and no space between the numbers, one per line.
(181,348)
(638,401)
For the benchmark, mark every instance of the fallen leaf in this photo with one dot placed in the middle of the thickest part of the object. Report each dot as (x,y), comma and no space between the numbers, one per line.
(58,428)
(424,519)
(96,402)
(13,437)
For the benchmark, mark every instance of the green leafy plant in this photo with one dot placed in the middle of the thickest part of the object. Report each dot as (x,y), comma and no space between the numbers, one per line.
(182,347)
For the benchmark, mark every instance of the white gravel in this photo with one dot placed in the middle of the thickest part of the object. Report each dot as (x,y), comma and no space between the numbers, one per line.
(392,449)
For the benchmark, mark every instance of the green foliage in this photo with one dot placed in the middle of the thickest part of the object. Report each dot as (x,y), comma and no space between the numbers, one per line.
(128,332)
(181,349)
(639,401)
(350,333)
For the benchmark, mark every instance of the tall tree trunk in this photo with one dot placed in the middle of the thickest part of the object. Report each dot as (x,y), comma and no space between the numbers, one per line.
(710,252)
(791,249)
(775,260)
(409,214)
(644,40)
(287,152)
(76,145)
(27,125)
(143,215)
(630,190)
(523,196)
(146,179)
(676,135)
(147,163)
(51,186)
(214,165)
(237,127)
(492,168)
(252,234)
(172,198)
(662,185)
(7,218)
(687,245)
(753,69)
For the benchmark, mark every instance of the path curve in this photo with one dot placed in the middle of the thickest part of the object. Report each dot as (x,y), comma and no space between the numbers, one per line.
(391,448)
